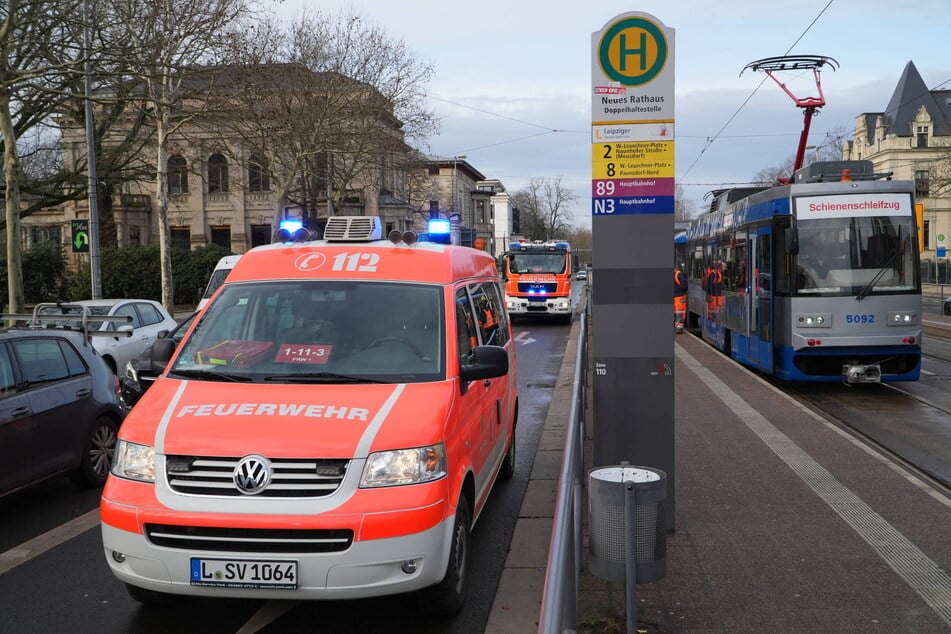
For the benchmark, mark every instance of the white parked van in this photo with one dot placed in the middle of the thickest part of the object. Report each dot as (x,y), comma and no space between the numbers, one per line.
(218,276)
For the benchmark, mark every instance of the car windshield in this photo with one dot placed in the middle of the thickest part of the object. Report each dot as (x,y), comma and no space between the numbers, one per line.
(217,279)
(319,331)
(847,256)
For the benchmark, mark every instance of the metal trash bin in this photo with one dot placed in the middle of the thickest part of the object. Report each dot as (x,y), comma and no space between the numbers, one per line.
(607,522)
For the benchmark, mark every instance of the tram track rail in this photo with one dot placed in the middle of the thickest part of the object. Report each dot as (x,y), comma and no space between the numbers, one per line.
(832,411)
(935,482)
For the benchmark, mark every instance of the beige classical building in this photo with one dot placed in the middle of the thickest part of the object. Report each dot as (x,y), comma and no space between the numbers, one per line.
(911,139)
(223,190)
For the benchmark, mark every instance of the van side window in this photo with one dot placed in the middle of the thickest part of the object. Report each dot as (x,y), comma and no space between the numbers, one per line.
(466,333)
(490,316)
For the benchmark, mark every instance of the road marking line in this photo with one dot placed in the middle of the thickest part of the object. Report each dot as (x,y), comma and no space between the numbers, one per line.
(269,612)
(919,572)
(50,539)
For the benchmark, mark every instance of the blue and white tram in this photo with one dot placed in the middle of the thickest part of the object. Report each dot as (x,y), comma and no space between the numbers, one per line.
(816,280)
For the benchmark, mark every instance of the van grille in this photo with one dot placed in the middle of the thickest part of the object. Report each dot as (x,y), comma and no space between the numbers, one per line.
(249,540)
(290,477)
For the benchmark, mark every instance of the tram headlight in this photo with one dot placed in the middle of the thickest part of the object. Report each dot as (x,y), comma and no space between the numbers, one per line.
(903,318)
(814,320)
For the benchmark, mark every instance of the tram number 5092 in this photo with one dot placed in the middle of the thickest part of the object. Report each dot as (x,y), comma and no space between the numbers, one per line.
(860,319)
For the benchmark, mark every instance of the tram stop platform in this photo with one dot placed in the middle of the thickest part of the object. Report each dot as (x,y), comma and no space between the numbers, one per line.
(784,522)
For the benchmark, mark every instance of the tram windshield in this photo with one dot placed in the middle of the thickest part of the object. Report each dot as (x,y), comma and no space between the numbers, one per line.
(851,256)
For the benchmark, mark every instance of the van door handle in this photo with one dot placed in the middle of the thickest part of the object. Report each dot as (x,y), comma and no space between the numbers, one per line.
(83,392)
(20,411)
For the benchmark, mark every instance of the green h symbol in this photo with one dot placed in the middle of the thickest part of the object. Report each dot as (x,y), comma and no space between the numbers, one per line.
(642,51)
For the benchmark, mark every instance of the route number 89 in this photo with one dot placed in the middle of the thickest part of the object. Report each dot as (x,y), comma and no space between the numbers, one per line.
(604,188)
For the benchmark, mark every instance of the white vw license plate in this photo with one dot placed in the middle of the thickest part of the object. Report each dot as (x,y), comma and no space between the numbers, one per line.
(241,573)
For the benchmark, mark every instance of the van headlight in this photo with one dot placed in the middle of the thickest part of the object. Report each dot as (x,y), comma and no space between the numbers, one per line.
(131,373)
(404,466)
(134,461)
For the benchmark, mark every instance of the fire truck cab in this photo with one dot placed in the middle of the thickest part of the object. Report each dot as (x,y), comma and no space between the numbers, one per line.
(329,428)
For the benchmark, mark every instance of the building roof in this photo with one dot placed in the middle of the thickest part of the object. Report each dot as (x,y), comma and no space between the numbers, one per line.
(910,95)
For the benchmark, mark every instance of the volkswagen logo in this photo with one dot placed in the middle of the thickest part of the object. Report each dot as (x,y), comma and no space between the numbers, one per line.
(252,475)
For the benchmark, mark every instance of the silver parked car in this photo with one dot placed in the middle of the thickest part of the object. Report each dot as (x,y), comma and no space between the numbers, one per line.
(148,320)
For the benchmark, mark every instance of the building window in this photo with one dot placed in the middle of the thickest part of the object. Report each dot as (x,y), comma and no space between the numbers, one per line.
(921,134)
(181,238)
(48,233)
(259,180)
(922,183)
(221,236)
(177,175)
(926,234)
(135,234)
(260,234)
(217,174)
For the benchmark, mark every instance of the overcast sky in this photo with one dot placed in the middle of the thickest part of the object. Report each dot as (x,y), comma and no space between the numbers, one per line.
(513,77)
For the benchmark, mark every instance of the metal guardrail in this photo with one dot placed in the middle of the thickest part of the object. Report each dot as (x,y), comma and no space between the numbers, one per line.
(559,610)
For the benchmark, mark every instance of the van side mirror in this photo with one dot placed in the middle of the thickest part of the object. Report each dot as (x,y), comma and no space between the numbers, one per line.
(488,362)
(162,351)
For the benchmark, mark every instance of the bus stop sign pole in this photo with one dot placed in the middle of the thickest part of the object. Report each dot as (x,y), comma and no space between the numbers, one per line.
(632,207)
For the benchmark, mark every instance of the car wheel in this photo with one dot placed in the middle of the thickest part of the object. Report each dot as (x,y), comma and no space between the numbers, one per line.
(447,597)
(508,463)
(151,597)
(99,451)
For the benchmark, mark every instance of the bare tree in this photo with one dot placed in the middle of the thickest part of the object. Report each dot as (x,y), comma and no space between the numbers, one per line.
(162,43)
(684,208)
(544,209)
(345,122)
(40,58)
(830,149)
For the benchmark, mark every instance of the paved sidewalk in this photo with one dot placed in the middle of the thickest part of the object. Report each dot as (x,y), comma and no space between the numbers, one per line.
(784,523)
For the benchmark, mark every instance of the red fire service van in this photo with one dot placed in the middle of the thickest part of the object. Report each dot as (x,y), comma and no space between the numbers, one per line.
(330,428)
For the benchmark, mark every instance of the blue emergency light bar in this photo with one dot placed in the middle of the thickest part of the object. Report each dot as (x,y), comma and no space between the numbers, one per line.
(440,230)
(291,224)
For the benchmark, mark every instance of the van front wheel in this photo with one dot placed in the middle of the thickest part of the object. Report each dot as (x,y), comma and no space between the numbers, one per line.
(447,597)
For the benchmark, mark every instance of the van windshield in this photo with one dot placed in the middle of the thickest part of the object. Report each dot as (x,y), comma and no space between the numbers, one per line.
(217,279)
(319,331)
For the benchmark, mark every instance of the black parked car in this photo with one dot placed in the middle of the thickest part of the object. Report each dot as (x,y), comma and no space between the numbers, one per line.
(138,375)
(59,409)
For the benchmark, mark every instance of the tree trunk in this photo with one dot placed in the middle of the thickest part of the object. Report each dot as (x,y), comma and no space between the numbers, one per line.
(11,172)
(165,232)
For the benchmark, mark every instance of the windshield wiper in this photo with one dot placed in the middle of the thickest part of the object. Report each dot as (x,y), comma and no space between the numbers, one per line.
(213,376)
(881,272)
(321,377)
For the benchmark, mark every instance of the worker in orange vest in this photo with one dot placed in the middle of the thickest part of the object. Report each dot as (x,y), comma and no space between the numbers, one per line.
(713,285)
(680,299)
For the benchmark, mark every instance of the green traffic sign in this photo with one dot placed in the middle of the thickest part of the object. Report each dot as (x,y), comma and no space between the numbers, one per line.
(80,240)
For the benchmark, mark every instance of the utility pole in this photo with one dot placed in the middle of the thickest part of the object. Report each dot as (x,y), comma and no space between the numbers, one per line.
(94,270)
